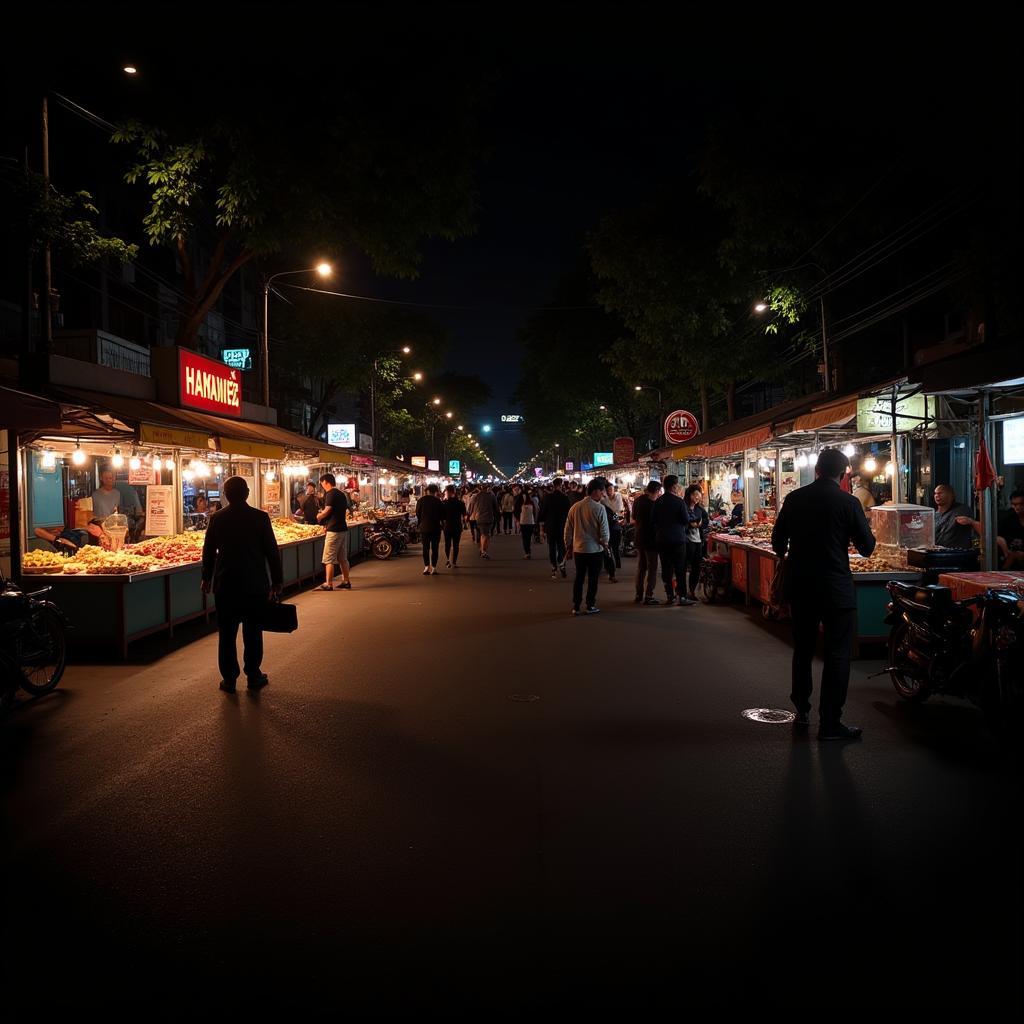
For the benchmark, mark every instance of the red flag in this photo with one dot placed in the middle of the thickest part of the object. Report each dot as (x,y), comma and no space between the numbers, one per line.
(984,472)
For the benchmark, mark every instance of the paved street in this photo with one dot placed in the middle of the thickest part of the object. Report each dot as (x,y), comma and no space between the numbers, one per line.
(455,796)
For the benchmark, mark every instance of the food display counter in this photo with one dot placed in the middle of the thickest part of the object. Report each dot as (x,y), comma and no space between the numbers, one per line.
(114,598)
(753,567)
(970,584)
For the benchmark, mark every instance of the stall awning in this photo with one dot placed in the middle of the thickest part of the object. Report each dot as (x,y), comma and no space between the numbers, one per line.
(830,415)
(20,410)
(1001,366)
(737,443)
(173,427)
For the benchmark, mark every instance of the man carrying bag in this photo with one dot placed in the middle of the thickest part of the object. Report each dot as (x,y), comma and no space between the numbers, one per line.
(239,547)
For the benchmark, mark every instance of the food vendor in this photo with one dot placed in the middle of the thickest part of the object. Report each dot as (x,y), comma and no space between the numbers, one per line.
(1011,533)
(72,539)
(862,492)
(308,505)
(108,498)
(736,519)
(954,525)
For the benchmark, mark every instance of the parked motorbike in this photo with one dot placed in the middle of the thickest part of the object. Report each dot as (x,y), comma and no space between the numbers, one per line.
(938,645)
(628,548)
(33,642)
(715,578)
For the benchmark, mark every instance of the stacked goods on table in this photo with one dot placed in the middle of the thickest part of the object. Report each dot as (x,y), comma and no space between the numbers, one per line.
(877,563)
(285,530)
(177,550)
(39,562)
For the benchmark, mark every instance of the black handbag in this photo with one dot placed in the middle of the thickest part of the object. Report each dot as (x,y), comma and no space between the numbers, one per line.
(278,617)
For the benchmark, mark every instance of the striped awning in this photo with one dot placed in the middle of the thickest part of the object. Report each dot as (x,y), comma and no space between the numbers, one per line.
(736,444)
(830,415)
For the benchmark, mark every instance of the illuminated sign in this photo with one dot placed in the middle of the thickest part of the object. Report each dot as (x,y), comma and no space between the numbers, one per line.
(681,426)
(420,461)
(511,419)
(208,385)
(434,465)
(454,467)
(341,435)
(239,358)
(604,459)
(570,466)
(1013,441)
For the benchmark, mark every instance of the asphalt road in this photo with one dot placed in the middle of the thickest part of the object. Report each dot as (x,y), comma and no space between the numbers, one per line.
(454,797)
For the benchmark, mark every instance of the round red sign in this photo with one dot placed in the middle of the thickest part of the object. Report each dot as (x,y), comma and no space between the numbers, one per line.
(681,426)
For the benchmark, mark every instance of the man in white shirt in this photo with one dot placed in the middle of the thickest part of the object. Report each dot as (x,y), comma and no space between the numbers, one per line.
(586,536)
(617,510)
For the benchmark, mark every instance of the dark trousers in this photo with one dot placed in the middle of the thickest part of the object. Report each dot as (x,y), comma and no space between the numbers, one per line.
(452,540)
(612,560)
(527,529)
(646,571)
(506,518)
(588,566)
(835,677)
(694,557)
(234,610)
(556,546)
(431,543)
(474,530)
(673,563)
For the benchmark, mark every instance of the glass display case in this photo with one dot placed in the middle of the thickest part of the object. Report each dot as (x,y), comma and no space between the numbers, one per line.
(903,526)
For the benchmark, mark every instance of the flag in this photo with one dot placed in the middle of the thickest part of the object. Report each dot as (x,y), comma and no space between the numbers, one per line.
(984,472)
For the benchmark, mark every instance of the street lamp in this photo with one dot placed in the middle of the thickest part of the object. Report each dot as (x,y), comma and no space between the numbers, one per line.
(324,270)
(405,350)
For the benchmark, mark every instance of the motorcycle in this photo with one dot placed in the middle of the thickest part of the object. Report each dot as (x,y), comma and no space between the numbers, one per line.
(33,642)
(938,645)
(628,541)
(715,578)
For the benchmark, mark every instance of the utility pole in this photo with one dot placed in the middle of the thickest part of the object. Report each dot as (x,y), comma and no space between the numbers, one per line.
(825,345)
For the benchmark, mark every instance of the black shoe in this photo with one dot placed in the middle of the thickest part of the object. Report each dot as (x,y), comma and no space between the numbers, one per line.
(561,569)
(575,611)
(839,732)
(227,685)
(802,718)
(593,611)
(258,682)
(685,602)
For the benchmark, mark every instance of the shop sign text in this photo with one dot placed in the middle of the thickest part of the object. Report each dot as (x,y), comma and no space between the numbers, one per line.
(208,385)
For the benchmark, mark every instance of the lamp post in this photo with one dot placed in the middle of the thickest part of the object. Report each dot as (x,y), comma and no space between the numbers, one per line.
(324,270)
(648,387)
(405,350)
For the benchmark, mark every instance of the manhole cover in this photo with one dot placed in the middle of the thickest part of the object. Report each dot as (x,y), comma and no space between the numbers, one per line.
(771,716)
(524,698)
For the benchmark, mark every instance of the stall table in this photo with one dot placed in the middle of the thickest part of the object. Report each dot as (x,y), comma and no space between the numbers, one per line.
(971,584)
(114,610)
(753,568)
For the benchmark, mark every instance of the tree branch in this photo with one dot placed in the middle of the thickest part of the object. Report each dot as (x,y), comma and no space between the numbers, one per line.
(186,267)
(216,261)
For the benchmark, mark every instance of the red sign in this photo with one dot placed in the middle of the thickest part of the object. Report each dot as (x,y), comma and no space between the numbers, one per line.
(208,385)
(681,426)
(623,450)
(362,460)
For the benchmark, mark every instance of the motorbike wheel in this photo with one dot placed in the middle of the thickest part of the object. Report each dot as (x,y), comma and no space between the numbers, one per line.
(43,653)
(908,686)
(708,590)
(382,549)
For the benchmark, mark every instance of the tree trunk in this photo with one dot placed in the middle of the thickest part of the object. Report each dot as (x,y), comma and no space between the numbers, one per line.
(705,407)
(195,307)
(730,401)
(330,390)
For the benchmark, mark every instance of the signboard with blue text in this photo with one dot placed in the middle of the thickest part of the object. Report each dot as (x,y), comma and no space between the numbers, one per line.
(454,467)
(239,358)
(341,435)
(604,459)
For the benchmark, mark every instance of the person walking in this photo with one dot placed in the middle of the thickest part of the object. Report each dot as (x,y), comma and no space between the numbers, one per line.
(474,526)
(646,544)
(454,523)
(508,506)
(333,517)
(586,536)
(671,523)
(696,534)
(554,510)
(813,531)
(484,509)
(238,549)
(616,513)
(527,519)
(430,520)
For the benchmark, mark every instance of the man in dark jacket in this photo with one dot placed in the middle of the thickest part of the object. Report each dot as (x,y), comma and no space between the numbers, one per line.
(817,523)
(671,520)
(554,510)
(430,522)
(239,546)
(646,544)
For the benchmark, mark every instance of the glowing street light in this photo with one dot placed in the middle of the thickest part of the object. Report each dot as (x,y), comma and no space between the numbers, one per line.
(760,307)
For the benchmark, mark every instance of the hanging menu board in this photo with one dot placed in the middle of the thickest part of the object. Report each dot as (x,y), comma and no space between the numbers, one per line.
(159,511)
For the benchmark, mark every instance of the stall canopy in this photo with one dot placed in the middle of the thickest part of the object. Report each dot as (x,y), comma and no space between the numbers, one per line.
(22,411)
(158,424)
(1001,367)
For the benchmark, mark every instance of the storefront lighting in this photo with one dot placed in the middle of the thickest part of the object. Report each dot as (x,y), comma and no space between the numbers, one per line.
(78,456)
(890,469)
(169,465)
(801,460)
(117,459)
(157,464)
(749,472)
(270,476)
(869,465)
(135,462)
(763,462)
(812,459)
(849,451)
(49,459)
(188,475)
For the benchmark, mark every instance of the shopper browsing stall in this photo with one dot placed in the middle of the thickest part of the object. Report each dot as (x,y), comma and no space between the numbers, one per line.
(333,517)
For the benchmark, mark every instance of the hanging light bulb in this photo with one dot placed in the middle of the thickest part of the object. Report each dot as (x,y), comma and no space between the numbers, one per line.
(157,464)
(117,461)
(169,465)
(188,474)
(78,456)
(748,472)
(135,462)
(771,463)
(270,476)
(812,459)
(802,460)
(869,465)
(849,451)
(890,469)
(49,460)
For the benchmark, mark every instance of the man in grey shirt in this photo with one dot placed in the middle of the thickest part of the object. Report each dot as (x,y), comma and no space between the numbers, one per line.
(587,536)
(109,498)
(483,508)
